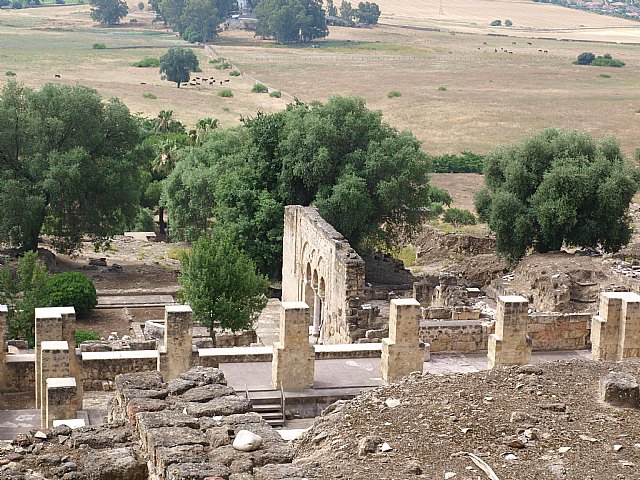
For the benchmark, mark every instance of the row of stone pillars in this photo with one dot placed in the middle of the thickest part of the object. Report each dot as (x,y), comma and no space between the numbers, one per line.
(315,299)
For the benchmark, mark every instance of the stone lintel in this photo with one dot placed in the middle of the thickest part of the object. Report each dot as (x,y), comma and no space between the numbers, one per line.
(54,312)
(405,302)
(4,310)
(512,299)
(178,309)
(62,346)
(294,305)
(63,382)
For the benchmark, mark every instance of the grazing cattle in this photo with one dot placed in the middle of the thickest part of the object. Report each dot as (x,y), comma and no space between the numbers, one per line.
(220,82)
(546,51)
(495,50)
(529,43)
(540,51)
(226,81)
(513,43)
(143,83)
(510,53)
(57,75)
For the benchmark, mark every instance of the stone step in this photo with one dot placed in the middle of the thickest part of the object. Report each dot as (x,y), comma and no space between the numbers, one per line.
(267,407)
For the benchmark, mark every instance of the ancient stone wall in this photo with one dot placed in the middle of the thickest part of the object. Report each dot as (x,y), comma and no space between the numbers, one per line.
(321,269)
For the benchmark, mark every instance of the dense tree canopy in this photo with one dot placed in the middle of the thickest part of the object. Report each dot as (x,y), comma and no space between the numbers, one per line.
(221,284)
(290,21)
(68,165)
(177,64)
(558,187)
(367,13)
(195,20)
(109,12)
(367,179)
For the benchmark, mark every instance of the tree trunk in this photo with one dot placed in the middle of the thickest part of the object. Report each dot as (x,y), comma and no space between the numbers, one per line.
(212,334)
(161,224)
(178,84)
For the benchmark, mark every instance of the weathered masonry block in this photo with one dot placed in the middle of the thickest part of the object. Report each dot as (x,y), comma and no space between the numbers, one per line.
(61,400)
(293,356)
(48,327)
(54,363)
(178,335)
(615,331)
(510,344)
(401,352)
(321,269)
(4,313)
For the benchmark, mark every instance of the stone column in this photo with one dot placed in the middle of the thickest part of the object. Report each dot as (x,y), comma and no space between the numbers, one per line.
(54,363)
(68,315)
(61,400)
(48,327)
(4,313)
(178,335)
(615,331)
(293,358)
(317,314)
(510,344)
(401,352)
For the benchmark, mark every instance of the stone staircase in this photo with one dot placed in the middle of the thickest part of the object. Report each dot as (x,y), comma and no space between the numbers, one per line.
(269,404)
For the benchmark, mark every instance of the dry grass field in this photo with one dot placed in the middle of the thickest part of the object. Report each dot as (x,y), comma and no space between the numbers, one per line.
(460,89)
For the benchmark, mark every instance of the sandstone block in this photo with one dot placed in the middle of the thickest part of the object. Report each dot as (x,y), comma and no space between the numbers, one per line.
(197,471)
(621,389)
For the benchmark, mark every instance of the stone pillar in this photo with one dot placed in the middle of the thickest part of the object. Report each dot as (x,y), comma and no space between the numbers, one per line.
(510,344)
(293,358)
(4,313)
(61,400)
(54,363)
(615,331)
(317,314)
(68,315)
(48,327)
(178,335)
(401,352)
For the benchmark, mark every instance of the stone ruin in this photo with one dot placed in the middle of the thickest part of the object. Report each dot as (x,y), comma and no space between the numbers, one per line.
(193,427)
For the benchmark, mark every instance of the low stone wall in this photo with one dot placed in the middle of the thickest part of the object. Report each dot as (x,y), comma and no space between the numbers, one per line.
(456,336)
(98,367)
(557,331)
(20,373)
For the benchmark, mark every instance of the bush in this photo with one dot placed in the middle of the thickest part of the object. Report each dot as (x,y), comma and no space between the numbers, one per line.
(85,336)
(508,23)
(149,95)
(259,88)
(466,162)
(458,216)
(16,4)
(607,62)
(140,6)
(585,58)
(144,221)
(9,73)
(496,23)
(225,92)
(276,94)
(149,62)
(192,35)
(99,46)
(393,94)
(59,2)
(604,75)
(71,289)
(234,73)
(442,88)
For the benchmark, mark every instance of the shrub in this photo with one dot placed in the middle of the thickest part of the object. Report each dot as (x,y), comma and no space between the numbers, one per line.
(141,6)
(192,35)
(85,336)
(234,73)
(508,23)
(149,62)
(144,221)
(393,94)
(458,216)
(276,94)
(9,73)
(225,92)
(71,289)
(607,62)
(604,75)
(442,88)
(99,46)
(466,162)
(496,23)
(16,4)
(585,58)
(59,2)
(259,88)
(149,95)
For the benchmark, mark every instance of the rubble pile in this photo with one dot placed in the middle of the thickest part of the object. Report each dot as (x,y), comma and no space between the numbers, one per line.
(190,428)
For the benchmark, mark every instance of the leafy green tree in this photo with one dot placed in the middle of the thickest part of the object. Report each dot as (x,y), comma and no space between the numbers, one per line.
(331,9)
(195,20)
(71,289)
(496,23)
(367,179)
(68,165)
(23,294)
(558,187)
(109,12)
(585,58)
(221,284)
(346,11)
(290,21)
(367,13)
(177,64)
(458,217)
(508,23)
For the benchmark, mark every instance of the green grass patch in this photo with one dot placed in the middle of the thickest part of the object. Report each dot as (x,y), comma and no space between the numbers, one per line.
(149,62)
(99,46)
(407,255)
(259,88)
(220,63)
(604,75)
(442,88)
(225,92)
(394,94)
(276,94)
(234,73)
(85,336)
(149,95)
(9,73)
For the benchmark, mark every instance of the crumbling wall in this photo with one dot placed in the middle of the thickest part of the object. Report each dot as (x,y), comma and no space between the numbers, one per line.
(321,269)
